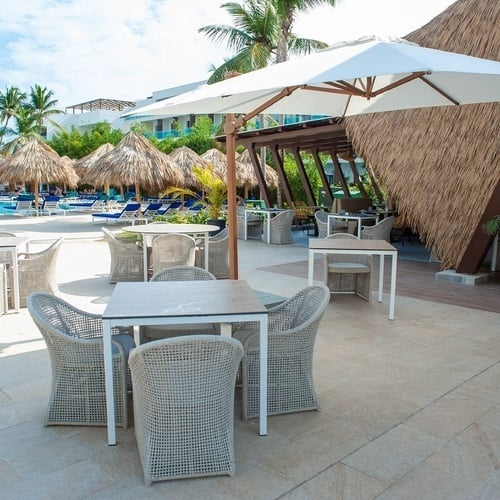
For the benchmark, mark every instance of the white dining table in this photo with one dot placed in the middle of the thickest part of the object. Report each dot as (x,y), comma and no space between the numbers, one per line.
(159,228)
(268,214)
(183,302)
(356,246)
(12,244)
(357,217)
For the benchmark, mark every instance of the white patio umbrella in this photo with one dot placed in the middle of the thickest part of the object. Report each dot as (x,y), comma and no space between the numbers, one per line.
(365,76)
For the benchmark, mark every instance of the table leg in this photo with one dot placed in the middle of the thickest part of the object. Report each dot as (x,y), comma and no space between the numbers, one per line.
(381,278)
(310,272)
(226,329)
(108,377)
(145,256)
(263,378)
(245,229)
(393,286)
(15,284)
(268,222)
(206,251)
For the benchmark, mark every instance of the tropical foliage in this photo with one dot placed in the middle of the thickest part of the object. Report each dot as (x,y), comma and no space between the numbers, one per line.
(22,115)
(261,34)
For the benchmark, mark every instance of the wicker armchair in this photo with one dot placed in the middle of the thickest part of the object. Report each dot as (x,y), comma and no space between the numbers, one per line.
(217,254)
(348,273)
(37,271)
(6,257)
(281,228)
(380,231)
(184,406)
(322,222)
(170,250)
(292,332)
(179,273)
(127,261)
(254,224)
(74,341)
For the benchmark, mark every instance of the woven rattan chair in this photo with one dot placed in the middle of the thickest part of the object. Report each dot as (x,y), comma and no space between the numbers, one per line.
(380,231)
(254,224)
(281,228)
(217,254)
(292,332)
(127,261)
(184,406)
(74,341)
(37,271)
(179,273)
(172,250)
(322,222)
(348,273)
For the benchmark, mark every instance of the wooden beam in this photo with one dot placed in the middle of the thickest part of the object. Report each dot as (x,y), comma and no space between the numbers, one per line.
(260,175)
(481,241)
(340,174)
(322,176)
(303,177)
(285,185)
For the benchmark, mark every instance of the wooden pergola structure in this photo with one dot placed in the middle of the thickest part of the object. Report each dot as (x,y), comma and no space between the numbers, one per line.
(326,136)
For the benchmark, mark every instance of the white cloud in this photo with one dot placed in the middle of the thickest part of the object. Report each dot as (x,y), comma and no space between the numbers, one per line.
(86,49)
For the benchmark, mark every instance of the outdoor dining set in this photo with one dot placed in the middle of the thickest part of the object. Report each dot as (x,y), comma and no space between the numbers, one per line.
(182,359)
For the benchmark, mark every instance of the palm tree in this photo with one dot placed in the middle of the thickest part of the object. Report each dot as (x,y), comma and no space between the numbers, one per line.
(25,127)
(42,104)
(10,102)
(287,11)
(255,37)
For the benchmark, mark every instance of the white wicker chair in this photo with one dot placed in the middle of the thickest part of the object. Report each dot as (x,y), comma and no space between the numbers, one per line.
(380,231)
(217,254)
(281,228)
(348,273)
(37,271)
(184,406)
(170,250)
(322,222)
(74,341)
(127,261)
(292,332)
(254,224)
(179,273)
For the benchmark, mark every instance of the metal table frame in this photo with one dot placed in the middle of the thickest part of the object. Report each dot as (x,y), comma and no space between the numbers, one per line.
(187,302)
(356,246)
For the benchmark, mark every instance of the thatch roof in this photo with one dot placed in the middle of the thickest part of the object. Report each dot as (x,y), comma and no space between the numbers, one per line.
(185,158)
(83,165)
(136,161)
(440,165)
(37,162)
(218,160)
(270,174)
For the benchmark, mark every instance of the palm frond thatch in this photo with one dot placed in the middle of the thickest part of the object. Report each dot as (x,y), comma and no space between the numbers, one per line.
(440,165)
(186,159)
(136,161)
(218,160)
(270,174)
(83,165)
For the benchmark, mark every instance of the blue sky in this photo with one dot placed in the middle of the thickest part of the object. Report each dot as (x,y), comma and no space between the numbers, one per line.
(125,49)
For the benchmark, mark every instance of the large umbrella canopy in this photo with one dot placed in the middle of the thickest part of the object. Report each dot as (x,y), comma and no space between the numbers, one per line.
(185,158)
(349,78)
(83,166)
(36,162)
(366,76)
(136,161)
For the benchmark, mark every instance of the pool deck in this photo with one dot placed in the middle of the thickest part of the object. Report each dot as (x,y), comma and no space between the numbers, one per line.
(409,409)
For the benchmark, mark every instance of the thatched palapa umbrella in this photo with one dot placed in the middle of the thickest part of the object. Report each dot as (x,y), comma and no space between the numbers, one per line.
(185,158)
(136,161)
(36,162)
(218,160)
(83,166)
(270,175)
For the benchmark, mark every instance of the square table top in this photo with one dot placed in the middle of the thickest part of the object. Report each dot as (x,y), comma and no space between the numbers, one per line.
(182,299)
(12,241)
(350,244)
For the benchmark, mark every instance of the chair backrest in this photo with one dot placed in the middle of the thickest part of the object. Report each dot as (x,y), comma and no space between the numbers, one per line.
(283,218)
(130,211)
(6,256)
(360,259)
(183,273)
(300,314)
(172,250)
(380,231)
(152,209)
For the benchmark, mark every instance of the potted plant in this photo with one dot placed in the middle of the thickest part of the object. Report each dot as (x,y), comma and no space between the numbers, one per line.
(215,194)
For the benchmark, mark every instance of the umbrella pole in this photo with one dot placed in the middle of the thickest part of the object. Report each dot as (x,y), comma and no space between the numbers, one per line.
(35,190)
(230,130)
(138,198)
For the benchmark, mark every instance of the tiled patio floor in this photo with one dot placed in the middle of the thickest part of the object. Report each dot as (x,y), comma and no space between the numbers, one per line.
(410,408)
